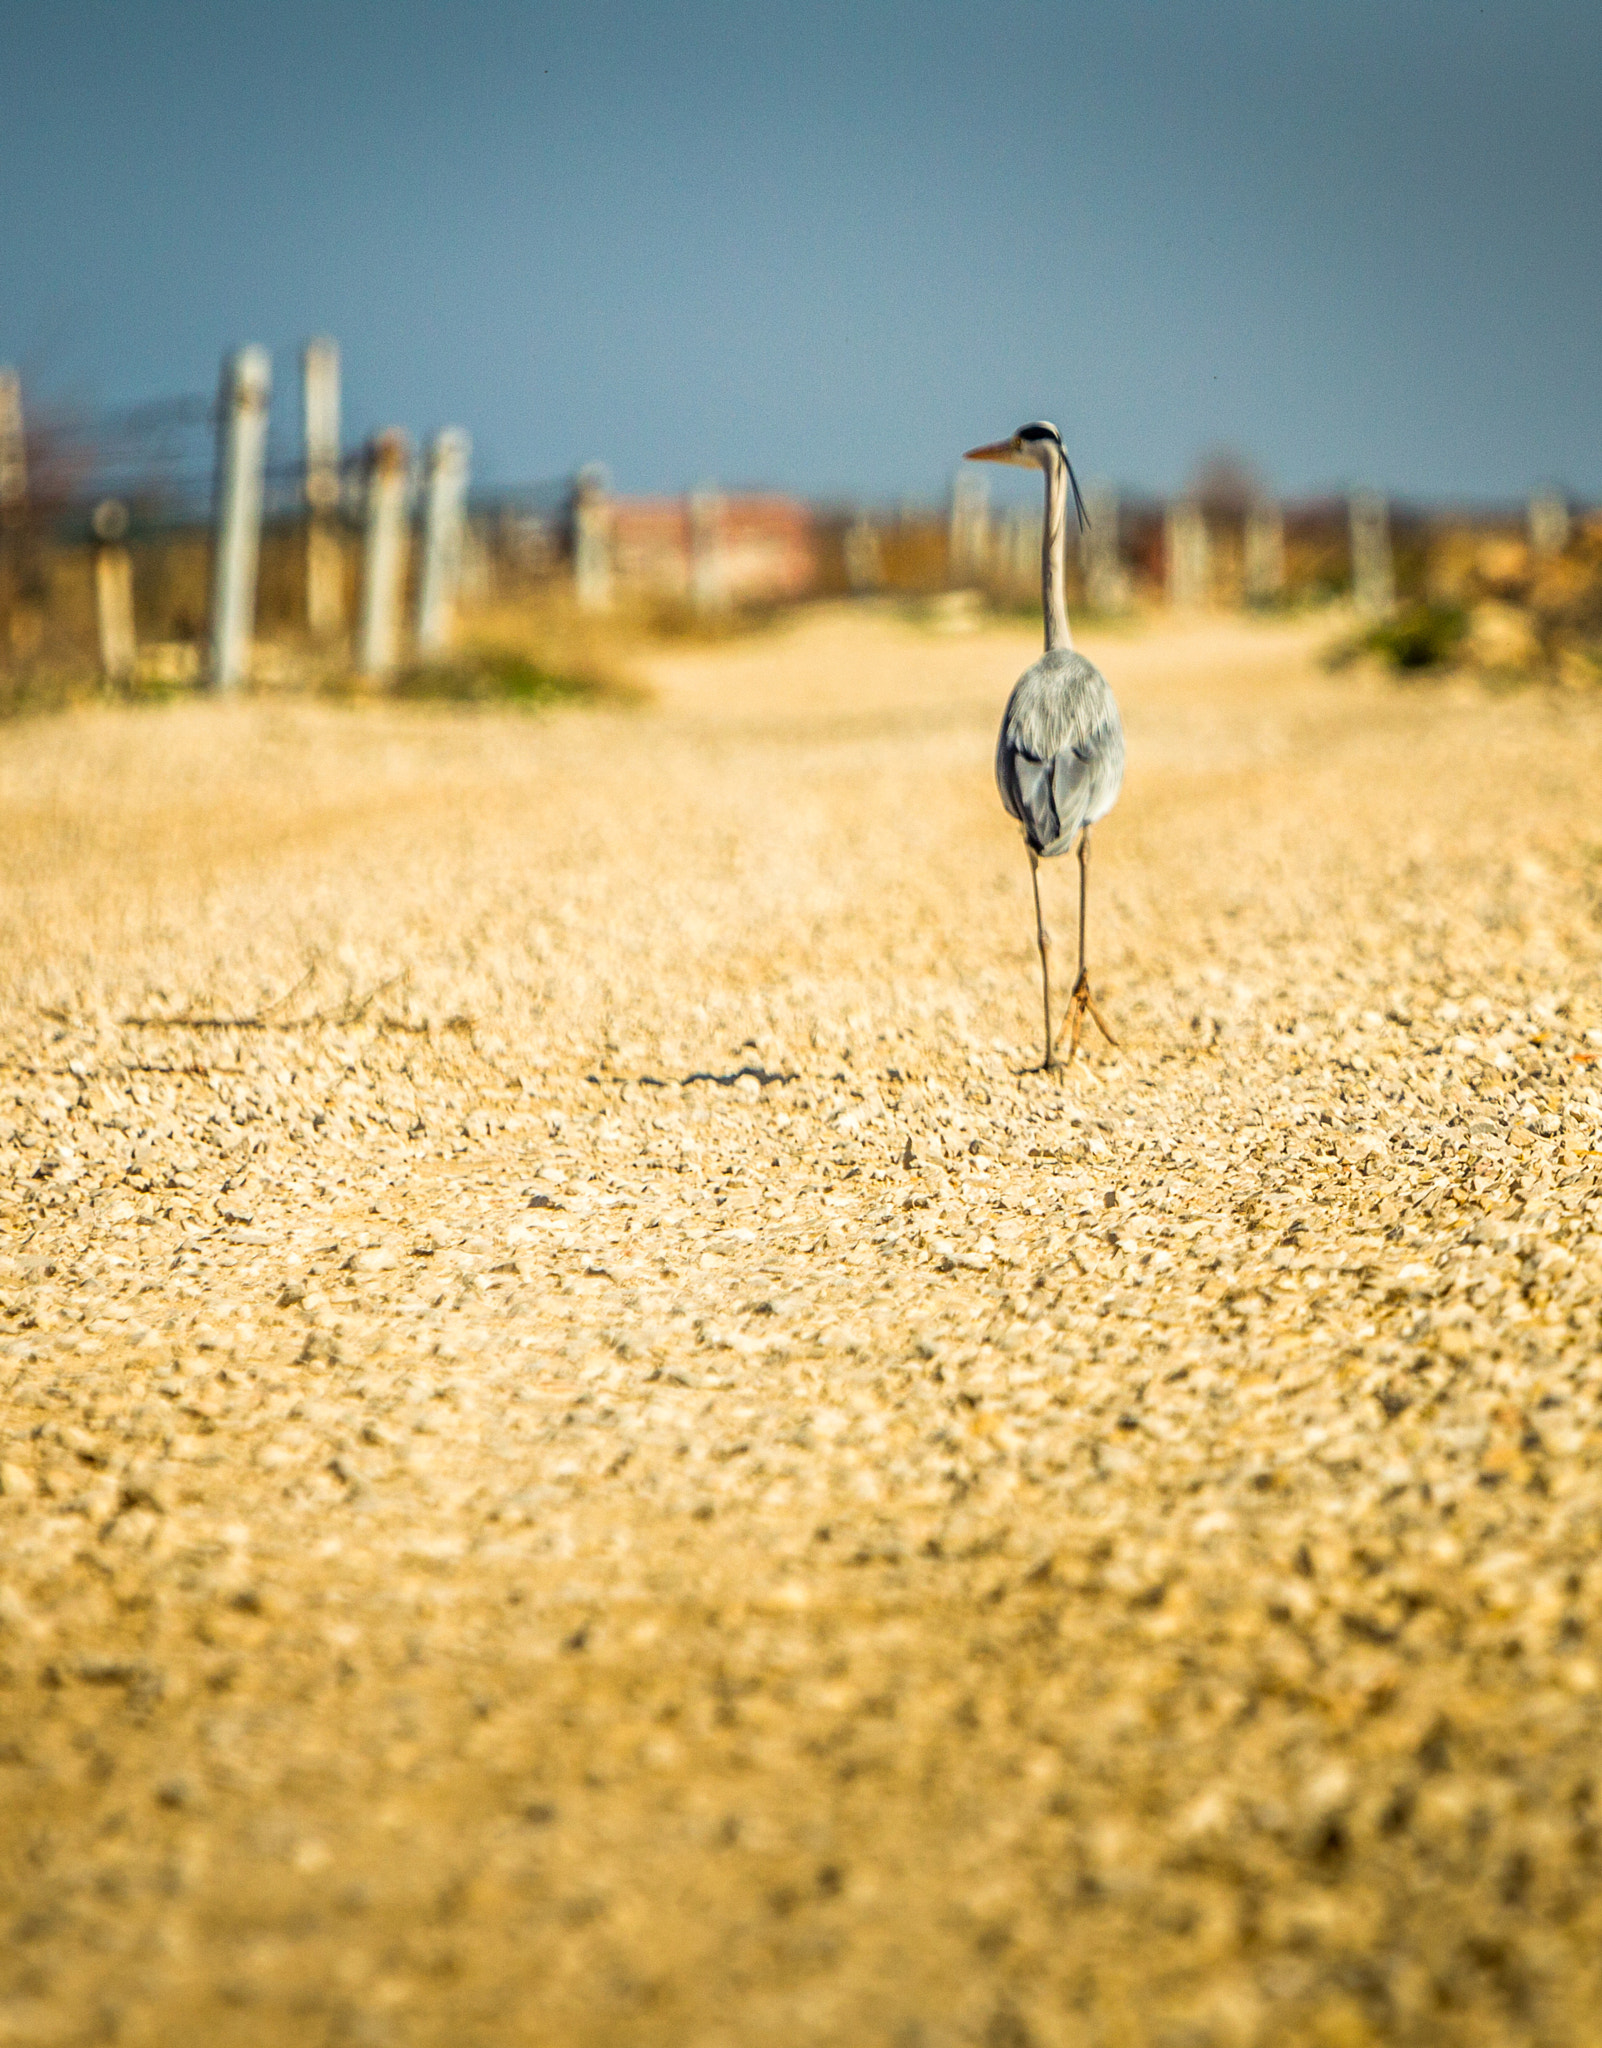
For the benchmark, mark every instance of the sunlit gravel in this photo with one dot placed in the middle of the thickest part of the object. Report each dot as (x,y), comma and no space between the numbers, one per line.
(587,1455)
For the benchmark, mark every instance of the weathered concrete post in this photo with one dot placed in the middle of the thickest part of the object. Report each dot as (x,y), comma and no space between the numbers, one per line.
(1106,585)
(1264,552)
(1373,574)
(969,539)
(384,556)
(13,496)
(708,584)
(114,606)
(1549,523)
(864,563)
(592,538)
(13,447)
(1185,549)
(1021,550)
(325,567)
(242,429)
(444,521)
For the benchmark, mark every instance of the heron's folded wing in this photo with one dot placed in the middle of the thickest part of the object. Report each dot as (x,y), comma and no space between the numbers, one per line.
(1026,790)
(1073,775)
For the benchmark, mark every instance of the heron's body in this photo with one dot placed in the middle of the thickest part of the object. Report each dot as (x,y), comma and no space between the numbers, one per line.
(1060,752)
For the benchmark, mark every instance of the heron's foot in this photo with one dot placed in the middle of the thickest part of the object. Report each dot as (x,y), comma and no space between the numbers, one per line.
(1080,1003)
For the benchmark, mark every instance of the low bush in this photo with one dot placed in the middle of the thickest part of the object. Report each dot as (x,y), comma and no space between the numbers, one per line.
(499,676)
(1419,636)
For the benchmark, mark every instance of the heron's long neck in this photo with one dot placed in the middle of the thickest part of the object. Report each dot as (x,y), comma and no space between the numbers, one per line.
(1054,556)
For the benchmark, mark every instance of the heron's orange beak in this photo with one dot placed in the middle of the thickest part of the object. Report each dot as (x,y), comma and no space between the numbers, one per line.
(993,451)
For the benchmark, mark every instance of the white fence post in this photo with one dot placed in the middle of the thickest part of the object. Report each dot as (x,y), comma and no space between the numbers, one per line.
(1106,585)
(1549,523)
(1264,552)
(13,500)
(242,426)
(968,543)
(708,589)
(864,562)
(443,524)
(1021,549)
(114,606)
(384,559)
(1188,567)
(592,538)
(1373,576)
(325,566)
(13,447)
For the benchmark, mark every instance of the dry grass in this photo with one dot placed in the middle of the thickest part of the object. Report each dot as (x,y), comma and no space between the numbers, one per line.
(588,1456)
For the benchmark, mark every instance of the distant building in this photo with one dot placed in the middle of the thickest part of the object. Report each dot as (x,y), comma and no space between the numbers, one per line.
(767,546)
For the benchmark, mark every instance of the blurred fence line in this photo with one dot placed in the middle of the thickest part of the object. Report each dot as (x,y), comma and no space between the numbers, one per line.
(193,539)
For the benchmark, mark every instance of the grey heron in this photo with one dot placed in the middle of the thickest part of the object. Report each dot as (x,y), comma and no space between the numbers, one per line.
(1060,753)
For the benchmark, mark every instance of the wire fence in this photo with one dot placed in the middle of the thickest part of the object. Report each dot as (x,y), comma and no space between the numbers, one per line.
(124,514)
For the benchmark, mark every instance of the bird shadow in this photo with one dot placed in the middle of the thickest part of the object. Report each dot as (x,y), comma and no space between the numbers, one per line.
(763,1076)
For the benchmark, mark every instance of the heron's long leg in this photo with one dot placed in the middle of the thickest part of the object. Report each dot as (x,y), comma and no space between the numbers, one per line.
(1045,971)
(1082,1000)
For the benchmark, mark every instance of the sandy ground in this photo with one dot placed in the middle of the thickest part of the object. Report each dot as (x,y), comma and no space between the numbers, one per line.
(587,1457)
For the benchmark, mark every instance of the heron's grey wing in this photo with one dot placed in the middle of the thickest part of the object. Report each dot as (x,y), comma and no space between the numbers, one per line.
(1073,779)
(1107,778)
(1026,786)
(1089,776)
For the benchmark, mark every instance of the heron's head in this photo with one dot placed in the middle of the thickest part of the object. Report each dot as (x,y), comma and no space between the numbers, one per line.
(1036,446)
(1032,447)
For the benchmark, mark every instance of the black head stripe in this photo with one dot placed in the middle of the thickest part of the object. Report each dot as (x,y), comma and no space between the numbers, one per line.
(1043,430)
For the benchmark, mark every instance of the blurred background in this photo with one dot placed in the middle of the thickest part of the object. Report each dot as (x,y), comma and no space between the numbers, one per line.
(712,299)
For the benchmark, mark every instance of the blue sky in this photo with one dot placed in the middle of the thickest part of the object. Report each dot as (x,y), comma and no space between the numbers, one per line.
(827,247)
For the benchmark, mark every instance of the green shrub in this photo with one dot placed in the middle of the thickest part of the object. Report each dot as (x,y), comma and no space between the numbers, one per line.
(1419,636)
(498,677)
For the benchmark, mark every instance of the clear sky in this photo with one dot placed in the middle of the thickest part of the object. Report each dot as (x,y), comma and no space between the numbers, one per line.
(828,246)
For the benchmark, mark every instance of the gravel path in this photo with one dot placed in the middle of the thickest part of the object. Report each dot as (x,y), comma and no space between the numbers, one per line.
(586,1457)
